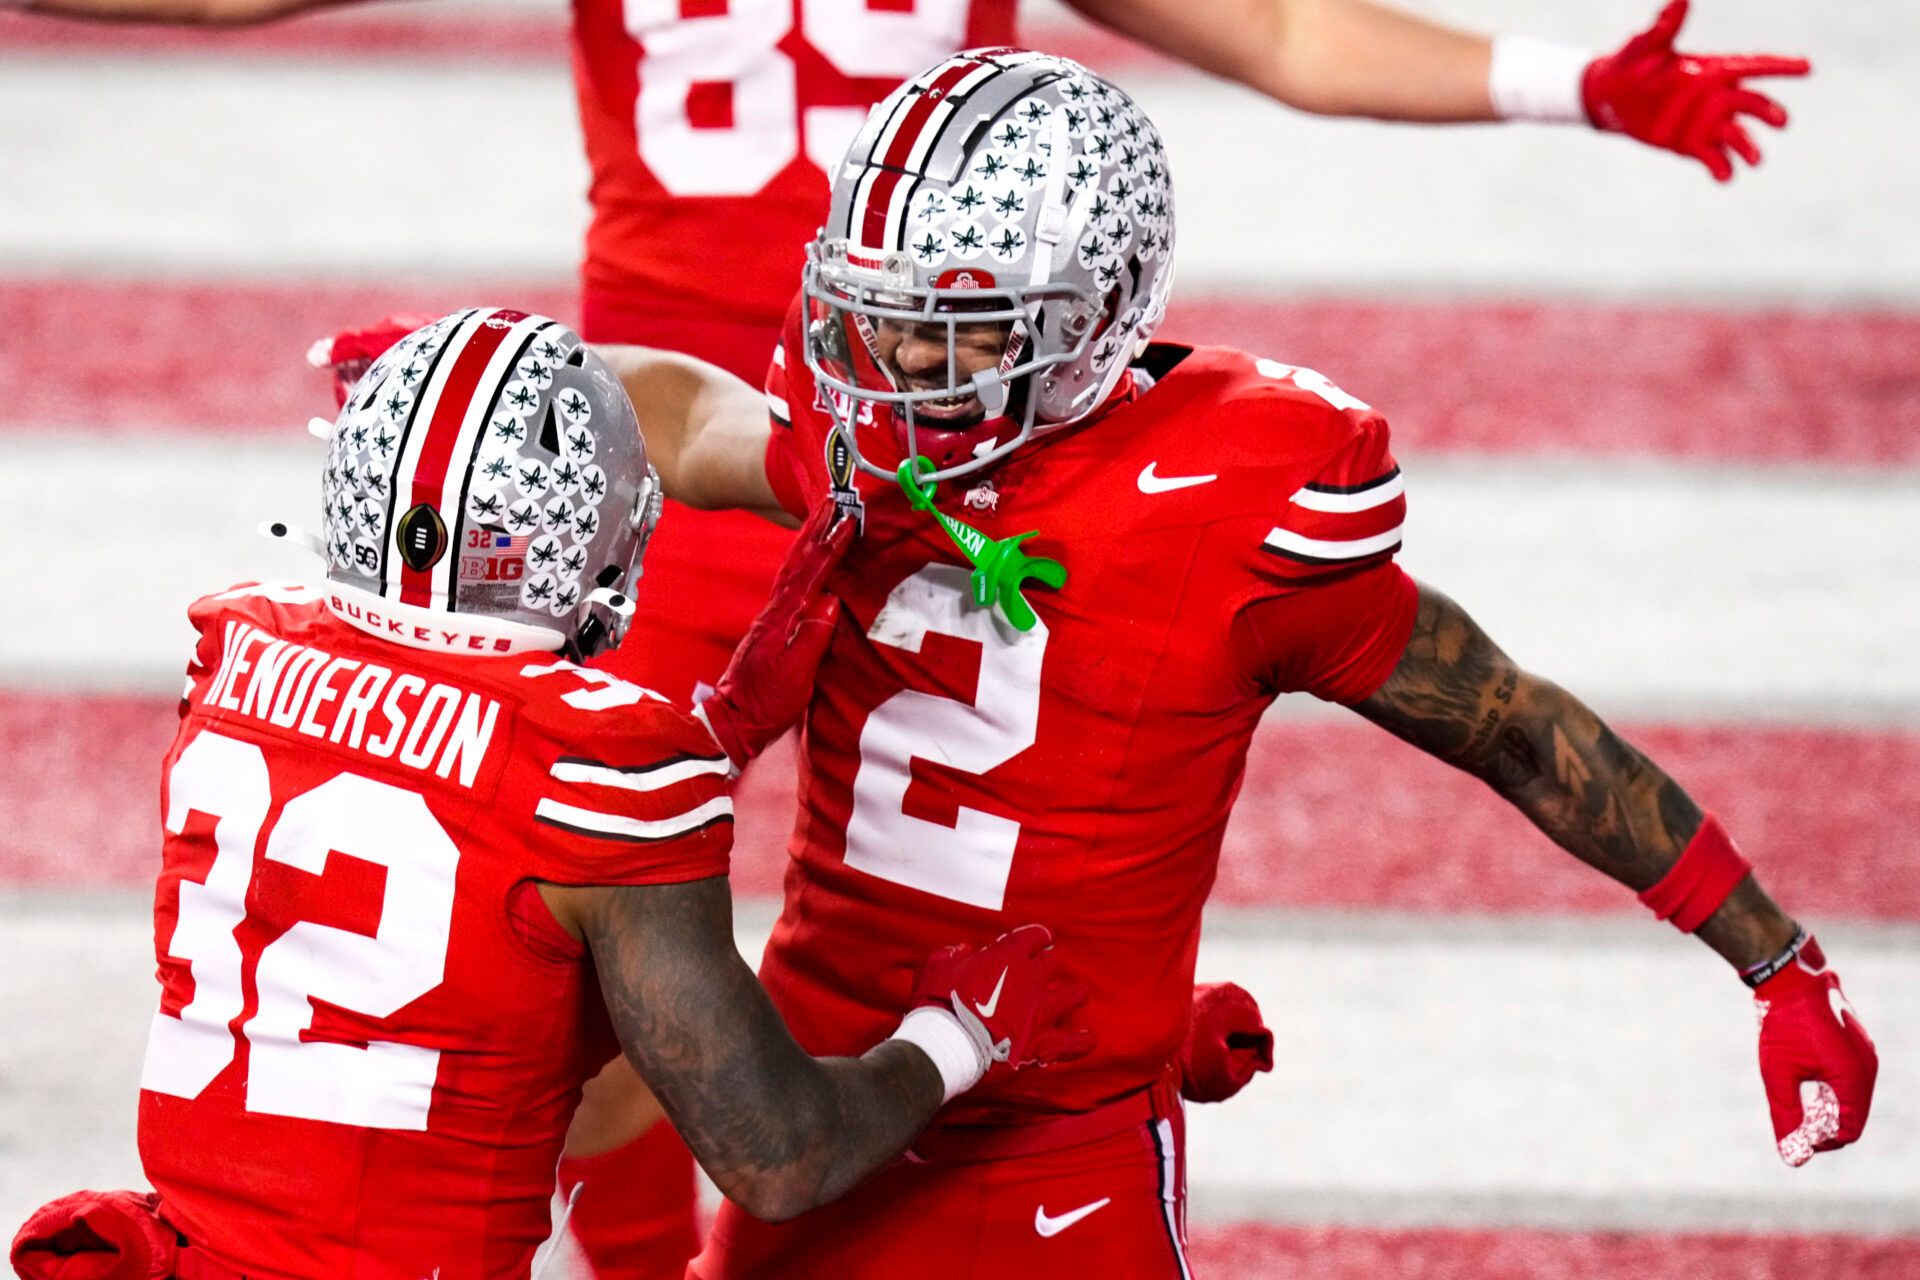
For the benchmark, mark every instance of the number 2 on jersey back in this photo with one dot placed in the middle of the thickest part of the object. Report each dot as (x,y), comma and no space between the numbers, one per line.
(385,1085)
(971,860)
(731,64)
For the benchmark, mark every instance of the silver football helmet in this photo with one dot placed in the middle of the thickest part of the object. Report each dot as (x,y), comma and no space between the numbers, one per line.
(489,466)
(1002,199)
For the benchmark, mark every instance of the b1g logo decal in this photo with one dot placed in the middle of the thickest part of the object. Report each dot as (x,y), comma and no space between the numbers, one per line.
(421,536)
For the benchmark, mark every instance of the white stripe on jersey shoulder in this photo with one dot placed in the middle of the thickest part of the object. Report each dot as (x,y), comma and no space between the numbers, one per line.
(778,408)
(1327,550)
(615,826)
(1365,497)
(780,355)
(647,777)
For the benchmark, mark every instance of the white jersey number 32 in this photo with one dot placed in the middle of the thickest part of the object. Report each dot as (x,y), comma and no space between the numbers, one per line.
(382,1086)
(971,860)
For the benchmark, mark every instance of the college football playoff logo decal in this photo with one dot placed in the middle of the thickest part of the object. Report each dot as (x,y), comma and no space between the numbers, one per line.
(840,469)
(421,536)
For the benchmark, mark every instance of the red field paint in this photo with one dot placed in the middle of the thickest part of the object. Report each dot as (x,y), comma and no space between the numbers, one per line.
(1333,814)
(1499,377)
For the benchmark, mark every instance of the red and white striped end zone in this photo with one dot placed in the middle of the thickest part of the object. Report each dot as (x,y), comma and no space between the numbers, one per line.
(1333,814)
(1763,384)
(1360,1253)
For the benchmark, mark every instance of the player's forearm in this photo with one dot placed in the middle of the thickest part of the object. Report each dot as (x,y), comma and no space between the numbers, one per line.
(1330,57)
(779,1131)
(1456,695)
(215,13)
(706,430)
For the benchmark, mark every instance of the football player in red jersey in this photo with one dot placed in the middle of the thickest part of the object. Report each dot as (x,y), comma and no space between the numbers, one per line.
(709,129)
(1011,723)
(424,872)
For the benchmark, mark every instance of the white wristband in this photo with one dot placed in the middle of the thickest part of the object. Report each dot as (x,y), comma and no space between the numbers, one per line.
(1531,79)
(956,1055)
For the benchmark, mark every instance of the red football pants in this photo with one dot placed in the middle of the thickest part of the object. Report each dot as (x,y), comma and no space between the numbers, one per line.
(707,572)
(1115,1206)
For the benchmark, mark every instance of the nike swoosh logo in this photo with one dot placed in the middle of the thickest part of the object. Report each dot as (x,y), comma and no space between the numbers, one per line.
(988,1009)
(1050,1227)
(1151,483)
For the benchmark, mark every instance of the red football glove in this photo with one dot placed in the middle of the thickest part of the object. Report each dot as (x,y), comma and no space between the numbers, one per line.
(769,682)
(1009,999)
(97,1235)
(1687,103)
(349,352)
(1227,1043)
(1816,1060)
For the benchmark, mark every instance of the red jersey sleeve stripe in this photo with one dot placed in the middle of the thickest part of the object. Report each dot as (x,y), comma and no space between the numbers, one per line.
(629,830)
(645,777)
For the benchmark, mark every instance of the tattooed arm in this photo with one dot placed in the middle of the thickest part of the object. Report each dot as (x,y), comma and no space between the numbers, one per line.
(1456,696)
(779,1132)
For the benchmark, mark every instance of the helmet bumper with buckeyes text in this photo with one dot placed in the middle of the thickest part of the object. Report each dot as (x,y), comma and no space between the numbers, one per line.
(487,488)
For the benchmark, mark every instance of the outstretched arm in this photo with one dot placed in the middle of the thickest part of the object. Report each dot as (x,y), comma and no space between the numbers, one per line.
(706,430)
(1330,57)
(779,1132)
(207,13)
(1457,696)
(1359,58)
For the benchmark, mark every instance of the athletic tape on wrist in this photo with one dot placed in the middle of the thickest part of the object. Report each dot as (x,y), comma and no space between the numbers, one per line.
(956,1055)
(1708,869)
(1531,79)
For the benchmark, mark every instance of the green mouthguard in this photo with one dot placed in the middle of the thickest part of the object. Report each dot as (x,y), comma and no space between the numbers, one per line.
(1000,567)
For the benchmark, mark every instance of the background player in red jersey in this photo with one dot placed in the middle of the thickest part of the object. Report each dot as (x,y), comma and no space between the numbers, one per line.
(1054,723)
(424,873)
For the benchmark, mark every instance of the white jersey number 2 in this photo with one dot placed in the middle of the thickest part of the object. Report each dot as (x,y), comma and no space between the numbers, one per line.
(382,1086)
(739,52)
(971,860)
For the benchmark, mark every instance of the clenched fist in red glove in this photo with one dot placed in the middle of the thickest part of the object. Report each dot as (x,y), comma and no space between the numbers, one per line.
(349,352)
(769,682)
(1005,1001)
(1816,1060)
(1686,103)
(97,1235)
(1227,1043)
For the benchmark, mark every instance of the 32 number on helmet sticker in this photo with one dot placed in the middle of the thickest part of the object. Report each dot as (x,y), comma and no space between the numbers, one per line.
(971,860)
(735,57)
(384,1085)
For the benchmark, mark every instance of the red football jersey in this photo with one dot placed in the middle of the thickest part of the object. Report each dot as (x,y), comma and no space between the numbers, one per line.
(372,1033)
(710,126)
(1228,534)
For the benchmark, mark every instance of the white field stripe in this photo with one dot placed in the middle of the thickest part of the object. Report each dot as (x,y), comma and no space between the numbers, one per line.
(1527,1071)
(1328,549)
(1346,503)
(1662,591)
(181,163)
(623,827)
(639,780)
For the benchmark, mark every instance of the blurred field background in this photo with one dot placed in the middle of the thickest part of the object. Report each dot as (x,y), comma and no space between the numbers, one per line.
(1662,437)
